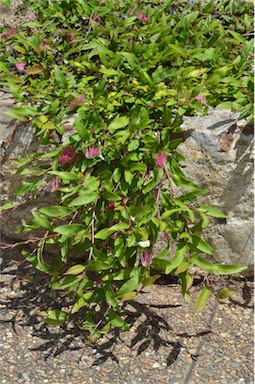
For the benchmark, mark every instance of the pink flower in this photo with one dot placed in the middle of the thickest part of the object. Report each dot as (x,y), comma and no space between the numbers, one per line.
(141,16)
(66,155)
(98,18)
(11,32)
(92,152)
(72,36)
(160,160)
(44,47)
(74,103)
(54,185)
(200,99)
(20,66)
(8,48)
(146,258)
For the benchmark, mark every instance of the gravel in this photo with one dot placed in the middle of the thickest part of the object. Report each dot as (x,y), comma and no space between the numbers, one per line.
(168,342)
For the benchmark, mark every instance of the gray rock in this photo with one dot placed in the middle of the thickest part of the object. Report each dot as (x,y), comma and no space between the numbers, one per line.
(219,158)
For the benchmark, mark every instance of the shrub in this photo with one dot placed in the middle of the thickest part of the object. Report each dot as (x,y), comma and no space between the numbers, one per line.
(127,72)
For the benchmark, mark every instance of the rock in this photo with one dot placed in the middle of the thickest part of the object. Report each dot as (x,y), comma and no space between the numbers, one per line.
(219,158)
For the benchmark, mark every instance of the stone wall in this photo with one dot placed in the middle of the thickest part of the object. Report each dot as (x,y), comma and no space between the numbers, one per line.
(219,157)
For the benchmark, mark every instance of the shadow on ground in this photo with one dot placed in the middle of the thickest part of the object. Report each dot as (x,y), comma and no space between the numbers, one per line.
(33,295)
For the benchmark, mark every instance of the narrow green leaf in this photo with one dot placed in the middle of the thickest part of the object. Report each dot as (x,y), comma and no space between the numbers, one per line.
(127,287)
(56,211)
(176,260)
(84,199)
(42,221)
(69,230)
(106,232)
(202,299)
(75,269)
(196,243)
(210,211)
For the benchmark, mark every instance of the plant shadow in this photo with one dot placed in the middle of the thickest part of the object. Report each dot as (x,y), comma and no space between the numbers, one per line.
(32,295)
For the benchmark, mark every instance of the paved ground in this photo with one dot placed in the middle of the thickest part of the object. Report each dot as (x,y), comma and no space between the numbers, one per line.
(168,341)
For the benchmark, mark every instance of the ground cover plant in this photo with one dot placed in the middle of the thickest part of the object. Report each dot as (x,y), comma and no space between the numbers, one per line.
(127,71)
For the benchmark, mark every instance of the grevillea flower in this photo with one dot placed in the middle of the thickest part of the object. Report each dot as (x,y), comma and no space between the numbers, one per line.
(200,99)
(74,103)
(160,160)
(66,155)
(54,185)
(141,16)
(11,32)
(92,152)
(146,258)
(20,66)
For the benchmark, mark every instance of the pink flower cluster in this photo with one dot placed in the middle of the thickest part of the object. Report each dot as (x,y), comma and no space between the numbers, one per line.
(44,47)
(72,37)
(11,32)
(20,66)
(146,258)
(74,103)
(54,185)
(67,155)
(92,152)
(200,99)
(160,160)
(141,16)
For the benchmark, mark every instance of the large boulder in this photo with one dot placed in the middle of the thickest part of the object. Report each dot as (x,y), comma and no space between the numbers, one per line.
(219,157)
(218,151)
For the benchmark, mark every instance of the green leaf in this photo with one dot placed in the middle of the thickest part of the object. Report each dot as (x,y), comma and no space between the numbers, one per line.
(84,199)
(60,78)
(196,243)
(80,303)
(224,294)
(106,232)
(67,282)
(238,37)
(56,211)
(97,265)
(210,211)
(69,230)
(128,176)
(127,287)
(117,123)
(117,321)
(75,269)
(147,281)
(67,176)
(55,317)
(202,299)
(111,196)
(9,205)
(28,186)
(42,221)
(177,49)
(176,260)
(216,269)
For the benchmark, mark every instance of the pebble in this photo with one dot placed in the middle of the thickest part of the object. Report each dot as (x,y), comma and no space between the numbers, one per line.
(156,365)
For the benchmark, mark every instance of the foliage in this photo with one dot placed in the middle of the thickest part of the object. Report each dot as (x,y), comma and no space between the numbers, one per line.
(128,71)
